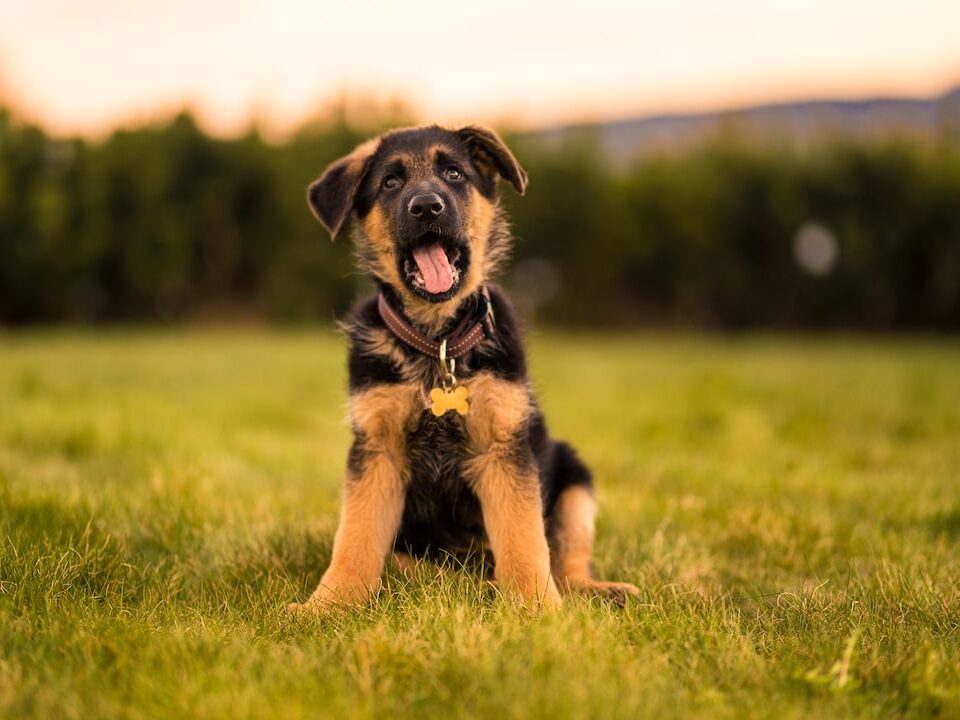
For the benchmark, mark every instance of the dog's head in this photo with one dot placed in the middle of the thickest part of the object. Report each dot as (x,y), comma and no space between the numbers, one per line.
(426,204)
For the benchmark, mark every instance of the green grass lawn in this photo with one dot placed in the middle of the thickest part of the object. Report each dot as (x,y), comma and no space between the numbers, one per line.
(789,507)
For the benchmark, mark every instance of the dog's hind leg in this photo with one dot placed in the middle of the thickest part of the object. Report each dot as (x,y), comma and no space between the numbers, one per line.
(570,530)
(404,562)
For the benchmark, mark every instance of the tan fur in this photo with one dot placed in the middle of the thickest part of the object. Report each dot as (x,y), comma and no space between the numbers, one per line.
(509,495)
(570,534)
(511,505)
(498,410)
(479,221)
(429,317)
(382,414)
(376,247)
(373,498)
(404,562)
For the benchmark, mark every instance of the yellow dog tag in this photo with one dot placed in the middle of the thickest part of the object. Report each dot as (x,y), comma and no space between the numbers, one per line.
(446,400)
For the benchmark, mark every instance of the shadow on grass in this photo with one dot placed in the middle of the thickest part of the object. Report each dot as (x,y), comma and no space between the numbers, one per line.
(945,524)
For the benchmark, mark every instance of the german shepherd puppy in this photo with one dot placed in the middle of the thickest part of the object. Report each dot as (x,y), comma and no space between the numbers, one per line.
(447,455)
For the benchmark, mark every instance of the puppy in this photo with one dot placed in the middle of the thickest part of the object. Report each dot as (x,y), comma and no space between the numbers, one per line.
(450,450)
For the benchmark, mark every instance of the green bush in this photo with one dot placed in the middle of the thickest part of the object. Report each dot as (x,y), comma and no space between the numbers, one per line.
(166,223)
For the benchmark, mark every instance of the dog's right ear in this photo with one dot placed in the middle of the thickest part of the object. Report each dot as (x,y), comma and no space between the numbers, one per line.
(332,195)
(492,157)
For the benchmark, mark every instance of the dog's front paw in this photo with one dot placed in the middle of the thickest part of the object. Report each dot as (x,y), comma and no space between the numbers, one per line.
(531,590)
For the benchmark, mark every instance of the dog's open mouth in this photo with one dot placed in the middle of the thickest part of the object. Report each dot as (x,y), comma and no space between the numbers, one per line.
(434,269)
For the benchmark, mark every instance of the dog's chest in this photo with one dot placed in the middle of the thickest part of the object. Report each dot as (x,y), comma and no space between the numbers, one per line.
(440,509)
(436,448)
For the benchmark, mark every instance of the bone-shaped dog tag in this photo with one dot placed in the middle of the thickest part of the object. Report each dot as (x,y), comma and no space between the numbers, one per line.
(446,400)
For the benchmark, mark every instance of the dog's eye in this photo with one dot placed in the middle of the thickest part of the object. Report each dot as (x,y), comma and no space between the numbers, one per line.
(390,182)
(453,174)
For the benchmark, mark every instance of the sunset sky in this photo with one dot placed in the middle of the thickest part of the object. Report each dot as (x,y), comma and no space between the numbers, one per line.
(87,65)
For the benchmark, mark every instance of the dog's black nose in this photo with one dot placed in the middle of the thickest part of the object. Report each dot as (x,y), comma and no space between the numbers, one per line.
(427,205)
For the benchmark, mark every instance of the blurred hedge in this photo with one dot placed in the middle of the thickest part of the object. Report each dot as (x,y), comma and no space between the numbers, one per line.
(167,223)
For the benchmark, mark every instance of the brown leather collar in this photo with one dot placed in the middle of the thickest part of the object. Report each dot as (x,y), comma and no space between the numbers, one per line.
(464,338)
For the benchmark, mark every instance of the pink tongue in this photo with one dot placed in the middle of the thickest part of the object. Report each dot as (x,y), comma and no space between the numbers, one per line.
(435,268)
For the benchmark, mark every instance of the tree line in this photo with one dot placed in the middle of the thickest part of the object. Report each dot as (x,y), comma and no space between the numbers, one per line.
(166,223)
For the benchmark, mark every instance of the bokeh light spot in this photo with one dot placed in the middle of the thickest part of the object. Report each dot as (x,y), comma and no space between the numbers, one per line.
(815,249)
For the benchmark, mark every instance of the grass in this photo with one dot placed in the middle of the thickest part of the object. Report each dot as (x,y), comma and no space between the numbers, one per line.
(788,506)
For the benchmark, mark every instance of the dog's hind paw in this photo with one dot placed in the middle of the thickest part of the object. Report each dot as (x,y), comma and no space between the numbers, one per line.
(315,606)
(295,608)
(616,592)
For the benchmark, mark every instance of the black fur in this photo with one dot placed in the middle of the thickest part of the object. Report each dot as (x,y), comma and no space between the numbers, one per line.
(493,158)
(331,197)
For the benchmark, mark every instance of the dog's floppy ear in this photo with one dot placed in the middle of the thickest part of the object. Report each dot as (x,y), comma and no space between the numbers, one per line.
(492,157)
(331,196)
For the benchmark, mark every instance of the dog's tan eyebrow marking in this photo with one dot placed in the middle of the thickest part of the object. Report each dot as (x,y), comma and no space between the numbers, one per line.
(446,156)
(412,163)
(394,162)
(436,154)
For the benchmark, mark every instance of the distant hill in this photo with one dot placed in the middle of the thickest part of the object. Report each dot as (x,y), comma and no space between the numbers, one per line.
(799,122)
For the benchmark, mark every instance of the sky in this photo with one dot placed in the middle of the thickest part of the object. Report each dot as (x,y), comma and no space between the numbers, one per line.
(86,66)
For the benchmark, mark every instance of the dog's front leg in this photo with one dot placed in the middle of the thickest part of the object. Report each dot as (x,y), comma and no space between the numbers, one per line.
(373,498)
(512,516)
(503,474)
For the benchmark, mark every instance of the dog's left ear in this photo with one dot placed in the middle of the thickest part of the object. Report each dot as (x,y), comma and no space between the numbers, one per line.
(492,157)
(331,196)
